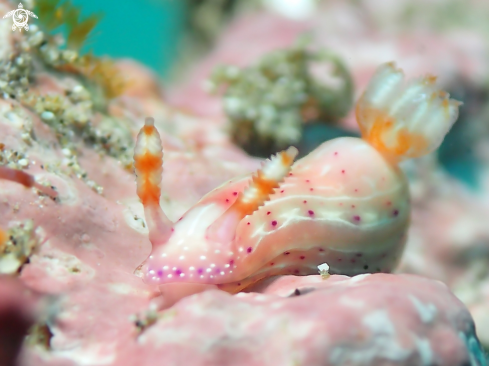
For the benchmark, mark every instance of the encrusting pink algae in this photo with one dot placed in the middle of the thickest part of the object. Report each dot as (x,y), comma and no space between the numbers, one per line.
(228,275)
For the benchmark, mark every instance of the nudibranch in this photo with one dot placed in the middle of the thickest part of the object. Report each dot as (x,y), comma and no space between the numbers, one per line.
(345,204)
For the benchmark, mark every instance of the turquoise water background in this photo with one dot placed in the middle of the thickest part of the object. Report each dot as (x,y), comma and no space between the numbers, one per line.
(146,30)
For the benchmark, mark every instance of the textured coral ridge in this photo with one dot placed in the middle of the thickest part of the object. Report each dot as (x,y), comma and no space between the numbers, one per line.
(346,203)
(368,319)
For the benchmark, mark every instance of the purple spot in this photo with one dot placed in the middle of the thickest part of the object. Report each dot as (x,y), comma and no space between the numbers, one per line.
(356,218)
(395,212)
(296,271)
(217,270)
(310,212)
(160,273)
(272,263)
(178,272)
(227,200)
(286,253)
(343,171)
(282,191)
(248,223)
(172,229)
(336,152)
(305,201)
(312,189)
(249,250)
(274,223)
(180,218)
(200,271)
(268,213)
(302,257)
(340,260)
(239,283)
(231,262)
(307,181)
(321,249)
(235,193)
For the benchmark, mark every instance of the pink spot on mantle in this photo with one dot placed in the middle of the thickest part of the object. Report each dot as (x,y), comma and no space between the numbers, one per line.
(235,193)
(286,253)
(356,218)
(336,152)
(310,212)
(302,257)
(249,250)
(305,201)
(274,223)
(268,213)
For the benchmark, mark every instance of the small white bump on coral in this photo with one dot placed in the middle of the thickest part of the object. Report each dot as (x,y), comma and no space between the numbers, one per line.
(324,270)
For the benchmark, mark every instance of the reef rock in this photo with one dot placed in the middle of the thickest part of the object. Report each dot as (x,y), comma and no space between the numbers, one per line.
(90,239)
(365,320)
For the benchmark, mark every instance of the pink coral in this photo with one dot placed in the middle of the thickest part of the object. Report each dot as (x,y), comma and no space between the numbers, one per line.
(89,245)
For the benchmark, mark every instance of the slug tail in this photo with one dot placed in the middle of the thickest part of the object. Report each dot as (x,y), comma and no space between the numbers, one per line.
(404,119)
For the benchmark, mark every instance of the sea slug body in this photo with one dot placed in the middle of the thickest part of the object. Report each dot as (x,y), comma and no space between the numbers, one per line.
(345,204)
